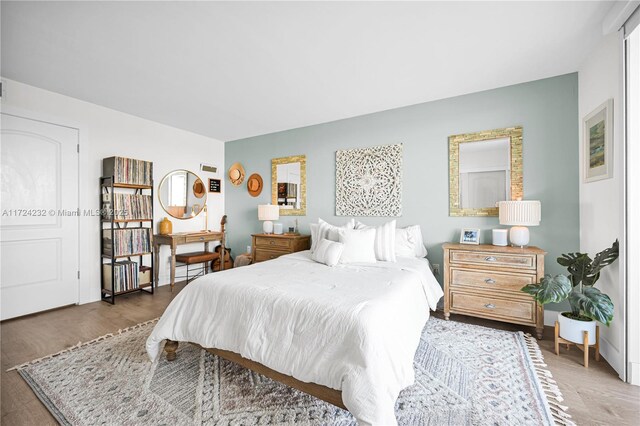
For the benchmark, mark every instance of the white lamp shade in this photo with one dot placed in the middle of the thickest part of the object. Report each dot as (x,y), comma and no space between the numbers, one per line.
(519,213)
(268,212)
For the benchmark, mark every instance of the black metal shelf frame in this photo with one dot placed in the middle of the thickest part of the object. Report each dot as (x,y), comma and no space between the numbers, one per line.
(107,186)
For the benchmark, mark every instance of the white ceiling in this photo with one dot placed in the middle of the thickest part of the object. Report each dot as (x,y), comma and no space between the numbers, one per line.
(231,70)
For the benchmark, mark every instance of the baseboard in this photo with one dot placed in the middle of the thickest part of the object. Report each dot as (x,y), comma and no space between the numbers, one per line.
(96,296)
(634,373)
(611,354)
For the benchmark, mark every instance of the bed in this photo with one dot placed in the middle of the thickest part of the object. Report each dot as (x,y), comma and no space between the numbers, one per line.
(346,334)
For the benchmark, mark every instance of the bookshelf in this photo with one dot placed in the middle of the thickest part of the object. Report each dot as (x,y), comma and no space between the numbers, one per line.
(126,227)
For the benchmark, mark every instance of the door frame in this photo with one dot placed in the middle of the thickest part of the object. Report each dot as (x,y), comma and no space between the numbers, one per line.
(81,142)
(632,244)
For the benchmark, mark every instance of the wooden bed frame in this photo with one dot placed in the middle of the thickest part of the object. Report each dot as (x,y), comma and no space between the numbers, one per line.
(324,393)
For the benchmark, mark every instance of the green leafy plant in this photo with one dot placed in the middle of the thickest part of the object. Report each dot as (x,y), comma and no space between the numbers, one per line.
(587,302)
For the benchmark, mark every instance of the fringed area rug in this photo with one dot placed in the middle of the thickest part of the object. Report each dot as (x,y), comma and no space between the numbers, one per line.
(465,375)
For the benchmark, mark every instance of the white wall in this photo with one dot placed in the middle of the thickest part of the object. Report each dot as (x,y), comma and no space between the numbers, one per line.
(602,202)
(105,133)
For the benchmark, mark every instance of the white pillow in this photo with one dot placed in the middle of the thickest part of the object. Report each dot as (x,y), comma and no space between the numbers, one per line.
(358,245)
(409,242)
(314,236)
(328,252)
(327,231)
(332,233)
(385,242)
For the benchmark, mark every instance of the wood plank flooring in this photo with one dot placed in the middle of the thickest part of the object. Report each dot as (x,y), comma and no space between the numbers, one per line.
(596,396)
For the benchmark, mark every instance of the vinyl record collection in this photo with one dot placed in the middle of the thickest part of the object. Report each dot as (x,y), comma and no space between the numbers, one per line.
(126,198)
(128,170)
(128,241)
(127,206)
(125,274)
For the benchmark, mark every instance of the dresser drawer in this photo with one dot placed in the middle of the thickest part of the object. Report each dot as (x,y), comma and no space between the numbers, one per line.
(523,261)
(261,254)
(491,280)
(493,307)
(274,243)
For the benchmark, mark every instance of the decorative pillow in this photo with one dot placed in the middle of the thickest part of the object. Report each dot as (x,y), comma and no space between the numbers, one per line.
(358,245)
(314,236)
(332,233)
(404,243)
(385,242)
(327,231)
(328,252)
(409,242)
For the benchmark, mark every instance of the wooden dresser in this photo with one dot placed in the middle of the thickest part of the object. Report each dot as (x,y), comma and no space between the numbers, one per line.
(271,246)
(485,281)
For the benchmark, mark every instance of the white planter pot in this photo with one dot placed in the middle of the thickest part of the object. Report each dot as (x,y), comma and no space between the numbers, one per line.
(572,330)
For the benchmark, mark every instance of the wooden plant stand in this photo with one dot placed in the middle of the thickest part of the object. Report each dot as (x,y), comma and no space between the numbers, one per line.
(584,347)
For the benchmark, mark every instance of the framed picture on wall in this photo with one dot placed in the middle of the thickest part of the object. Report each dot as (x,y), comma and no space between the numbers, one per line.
(470,236)
(598,143)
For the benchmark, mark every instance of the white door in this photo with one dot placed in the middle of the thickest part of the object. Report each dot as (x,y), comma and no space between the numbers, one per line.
(38,222)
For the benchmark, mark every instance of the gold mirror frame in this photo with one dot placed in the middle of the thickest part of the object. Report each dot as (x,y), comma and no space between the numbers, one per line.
(515,136)
(302,211)
(166,209)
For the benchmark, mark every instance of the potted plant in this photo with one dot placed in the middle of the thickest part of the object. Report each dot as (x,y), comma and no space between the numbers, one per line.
(588,304)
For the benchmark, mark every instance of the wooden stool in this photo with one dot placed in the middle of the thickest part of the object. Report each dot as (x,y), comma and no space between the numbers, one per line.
(584,347)
(203,257)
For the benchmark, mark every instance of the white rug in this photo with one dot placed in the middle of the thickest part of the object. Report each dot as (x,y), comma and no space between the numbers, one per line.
(465,375)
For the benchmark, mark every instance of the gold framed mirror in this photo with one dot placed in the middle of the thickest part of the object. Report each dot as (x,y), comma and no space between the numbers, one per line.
(182,194)
(484,168)
(289,185)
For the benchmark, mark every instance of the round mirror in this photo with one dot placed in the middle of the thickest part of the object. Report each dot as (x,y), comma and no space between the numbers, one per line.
(182,194)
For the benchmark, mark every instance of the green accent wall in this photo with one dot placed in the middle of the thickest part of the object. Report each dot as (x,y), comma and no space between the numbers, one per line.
(546,109)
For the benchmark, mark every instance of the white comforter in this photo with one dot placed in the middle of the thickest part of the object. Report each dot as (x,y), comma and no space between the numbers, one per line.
(353,328)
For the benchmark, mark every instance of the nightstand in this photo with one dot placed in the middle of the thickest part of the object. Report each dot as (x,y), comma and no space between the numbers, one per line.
(485,281)
(271,246)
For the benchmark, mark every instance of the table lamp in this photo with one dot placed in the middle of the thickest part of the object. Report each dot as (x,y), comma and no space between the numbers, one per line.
(268,213)
(519,214)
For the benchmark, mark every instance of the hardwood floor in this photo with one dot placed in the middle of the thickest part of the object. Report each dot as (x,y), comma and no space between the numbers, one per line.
(595,396)
(27,338)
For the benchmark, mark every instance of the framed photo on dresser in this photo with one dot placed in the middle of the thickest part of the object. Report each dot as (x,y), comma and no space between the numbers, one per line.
(470,236)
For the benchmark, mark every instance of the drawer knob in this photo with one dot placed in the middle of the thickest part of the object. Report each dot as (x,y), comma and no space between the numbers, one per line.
(201,238)
(490,281)
(490,306)
(490,259)
(272,242)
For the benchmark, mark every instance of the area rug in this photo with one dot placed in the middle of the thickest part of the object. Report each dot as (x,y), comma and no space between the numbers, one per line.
(465,375)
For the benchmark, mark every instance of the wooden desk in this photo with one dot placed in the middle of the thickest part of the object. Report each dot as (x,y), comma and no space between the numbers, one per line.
(174,240)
